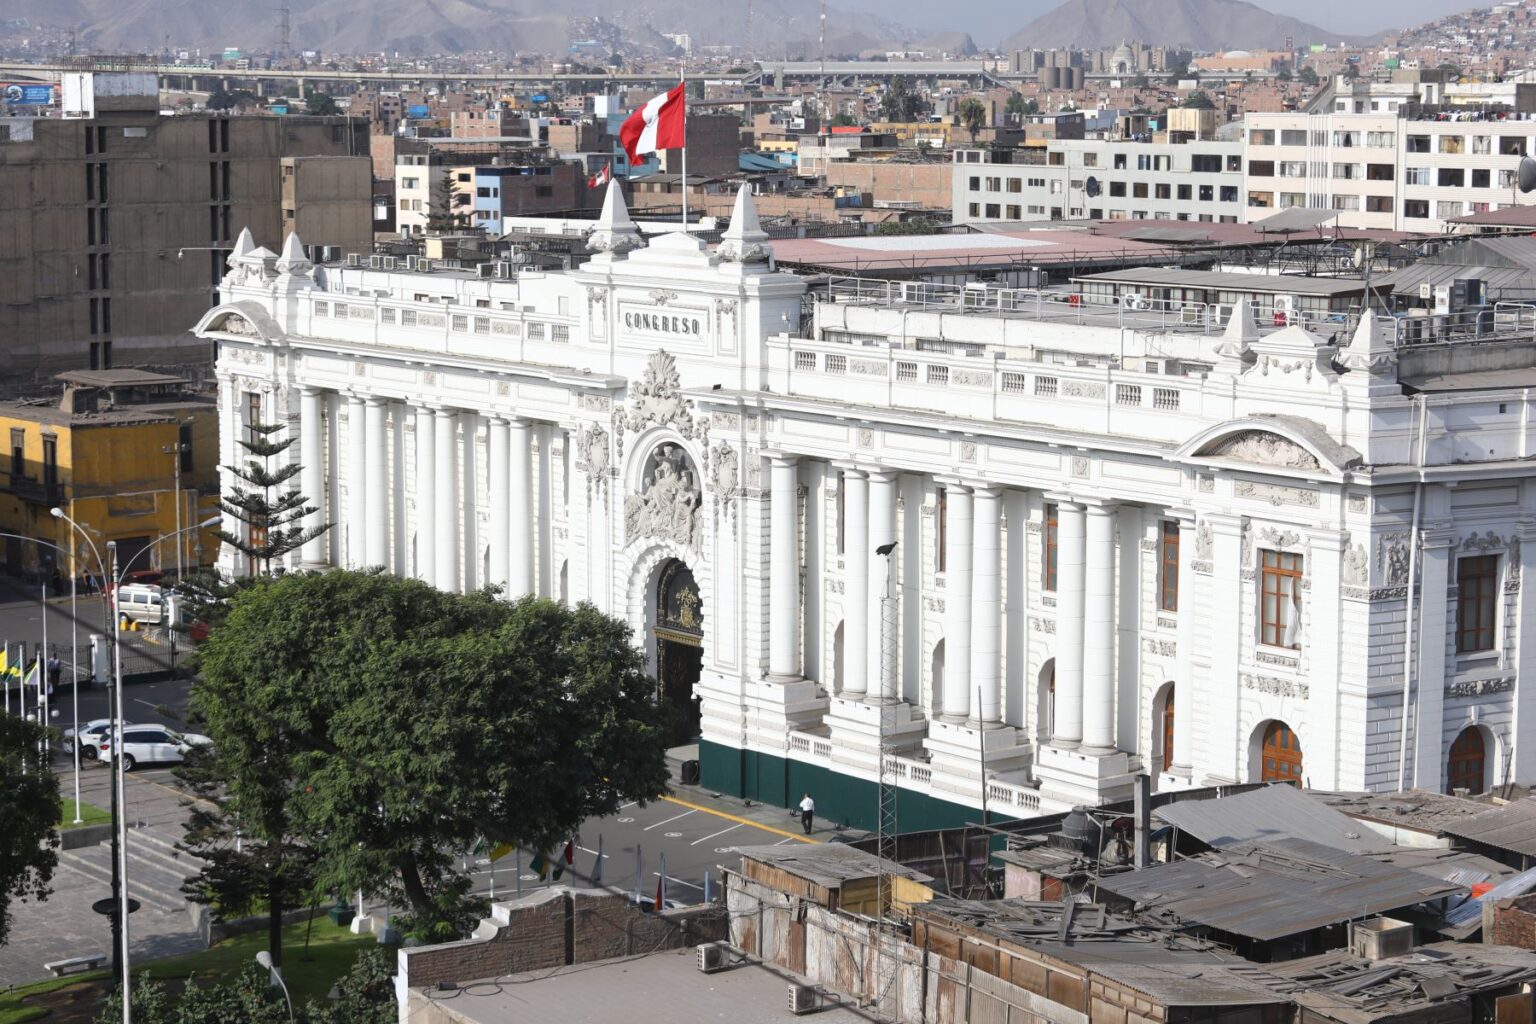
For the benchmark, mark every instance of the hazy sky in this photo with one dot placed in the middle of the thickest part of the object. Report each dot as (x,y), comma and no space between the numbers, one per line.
(989,21)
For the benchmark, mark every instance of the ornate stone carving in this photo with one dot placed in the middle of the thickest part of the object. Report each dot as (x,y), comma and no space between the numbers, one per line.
(1148,546)
(1270,658)
(1247,574)
(723,479)
(752,475)
(866,368)
(243,355)
(1357,566)
(1081,389)
(428,377)
(504,388)
(1512,573)
(1203,541)
(1033,526)
(1263,447)
(657,401)
(1357,502)
(233,323)
(360,369)
(971,378)
(1048,600)
(662,296)
(1245,542)
(967,451)
(728,420)
(1280,538)
(1276,687)
(934,604)
(834,586)
(1043,625)
(1392,559)
(667,506)
(866,438)
(1202,567)
(1474,542)
(1080,465)
(594,403)
(1480,687)
(1162,648)
(1206,484)
(1166,623)
(592,459)
(1274,494)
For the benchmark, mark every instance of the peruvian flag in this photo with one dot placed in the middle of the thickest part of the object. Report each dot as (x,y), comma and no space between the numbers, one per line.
(601,178)
(656,126)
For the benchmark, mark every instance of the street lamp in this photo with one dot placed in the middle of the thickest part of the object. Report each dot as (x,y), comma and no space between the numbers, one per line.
(264,958)
(111,575)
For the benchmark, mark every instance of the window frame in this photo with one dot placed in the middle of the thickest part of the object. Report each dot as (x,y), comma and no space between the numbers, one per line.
(1051,540)
(1275,567)
(1477,599)
(1168,566)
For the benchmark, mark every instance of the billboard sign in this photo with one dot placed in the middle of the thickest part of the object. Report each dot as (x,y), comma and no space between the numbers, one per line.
(28,94)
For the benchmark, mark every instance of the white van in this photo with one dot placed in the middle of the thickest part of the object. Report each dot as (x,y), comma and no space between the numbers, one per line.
(141,603)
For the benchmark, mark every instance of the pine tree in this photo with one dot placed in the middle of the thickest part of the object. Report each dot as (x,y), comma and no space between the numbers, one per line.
(443,217)
(273,514)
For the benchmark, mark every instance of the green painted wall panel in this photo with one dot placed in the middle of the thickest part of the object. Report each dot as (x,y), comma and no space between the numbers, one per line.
(841,800)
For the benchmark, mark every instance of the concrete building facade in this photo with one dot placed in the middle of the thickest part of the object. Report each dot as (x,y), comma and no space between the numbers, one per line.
(114,227)
(1032,552)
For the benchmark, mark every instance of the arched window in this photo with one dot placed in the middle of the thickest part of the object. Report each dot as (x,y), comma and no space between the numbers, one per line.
(1280,759)
(1168,729)
(1467,766)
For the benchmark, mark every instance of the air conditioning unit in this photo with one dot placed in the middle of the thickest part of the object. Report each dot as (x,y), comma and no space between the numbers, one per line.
(375,262)
(354,259)
(803,999)
(424,265)
(712,957)
(411,262)
(506,269)
(390,262)
(486,271)
(332,253)
(1133,300)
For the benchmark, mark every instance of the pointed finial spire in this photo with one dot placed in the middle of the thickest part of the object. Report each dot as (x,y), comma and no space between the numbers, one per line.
(293,260)
(614,232)
(1241,332)
(1369,349)
(244,246)
(744,241)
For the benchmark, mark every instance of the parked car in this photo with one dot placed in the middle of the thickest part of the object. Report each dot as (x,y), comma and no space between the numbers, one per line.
(150,744)
(90,733)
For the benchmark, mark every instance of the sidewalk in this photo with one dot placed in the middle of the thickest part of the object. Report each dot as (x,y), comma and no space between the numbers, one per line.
(753,810)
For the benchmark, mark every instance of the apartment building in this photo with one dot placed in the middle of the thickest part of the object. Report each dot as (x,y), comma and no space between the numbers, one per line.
(1393,170)
(1102,180)
(116,220)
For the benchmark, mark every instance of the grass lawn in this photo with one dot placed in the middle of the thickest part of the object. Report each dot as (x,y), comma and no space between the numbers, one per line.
(332,951)
(13,1012)
(90,815)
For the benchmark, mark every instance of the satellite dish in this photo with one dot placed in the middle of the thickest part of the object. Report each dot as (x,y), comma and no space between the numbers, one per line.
(1527,174)
(1091,186)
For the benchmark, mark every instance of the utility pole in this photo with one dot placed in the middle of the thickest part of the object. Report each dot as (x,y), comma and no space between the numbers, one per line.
(886,825)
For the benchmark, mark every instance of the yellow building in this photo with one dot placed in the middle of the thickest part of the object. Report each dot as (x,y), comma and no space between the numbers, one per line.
(108,452)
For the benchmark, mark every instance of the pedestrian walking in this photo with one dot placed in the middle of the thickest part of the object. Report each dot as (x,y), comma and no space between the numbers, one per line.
(55,672)
(807,813)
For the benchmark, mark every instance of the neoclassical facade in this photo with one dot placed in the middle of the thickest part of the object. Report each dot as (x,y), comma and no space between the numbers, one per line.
(1031,546)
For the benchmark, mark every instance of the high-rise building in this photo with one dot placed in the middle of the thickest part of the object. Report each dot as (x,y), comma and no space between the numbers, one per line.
(116,219)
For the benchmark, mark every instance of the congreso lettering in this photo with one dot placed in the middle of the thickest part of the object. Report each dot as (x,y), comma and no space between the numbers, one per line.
(664,323)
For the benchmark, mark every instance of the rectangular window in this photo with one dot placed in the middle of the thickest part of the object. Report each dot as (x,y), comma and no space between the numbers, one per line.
(106,315)
(458,322)
(1477,588)
(1481,178)
(1418,144)
(19,438)
(90,184)
(1186,192)
(940,530)
(184,446)
(1418,208)
(1451,144)
(560,334)
(1049,564)
(1293,137)
(50,466)
(1261,168)
(1451,177)
(1261,137)
(1280,600)
(1168,548)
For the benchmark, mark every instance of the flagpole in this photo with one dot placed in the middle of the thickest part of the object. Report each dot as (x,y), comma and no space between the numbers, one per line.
(682,77)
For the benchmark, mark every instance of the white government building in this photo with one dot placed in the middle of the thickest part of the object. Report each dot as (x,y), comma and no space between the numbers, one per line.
(1185,541)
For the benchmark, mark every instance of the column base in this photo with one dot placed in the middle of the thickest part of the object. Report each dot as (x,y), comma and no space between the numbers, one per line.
(854,728)
(1071,777)
(962,752)
(1177,777)
(757,714)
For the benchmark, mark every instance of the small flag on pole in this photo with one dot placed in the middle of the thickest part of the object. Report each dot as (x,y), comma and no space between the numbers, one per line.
(661,886)
(565,860)
(601,178)
(597,865)
(499,851)
(660,124)
(540,865)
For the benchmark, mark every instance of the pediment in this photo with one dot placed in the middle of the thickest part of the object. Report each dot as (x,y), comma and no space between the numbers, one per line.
(1263,447)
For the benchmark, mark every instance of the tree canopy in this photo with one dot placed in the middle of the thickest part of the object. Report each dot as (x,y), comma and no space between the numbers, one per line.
(900,104)
(1198,100)
(394,726)
(30,809)
(320,103)
(972,114)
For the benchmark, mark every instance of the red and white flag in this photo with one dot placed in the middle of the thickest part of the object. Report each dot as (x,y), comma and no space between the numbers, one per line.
(656,126)
(601,178)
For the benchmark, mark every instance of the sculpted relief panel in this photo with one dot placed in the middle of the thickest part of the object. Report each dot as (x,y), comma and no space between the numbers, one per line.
(667,506)
(1264,448)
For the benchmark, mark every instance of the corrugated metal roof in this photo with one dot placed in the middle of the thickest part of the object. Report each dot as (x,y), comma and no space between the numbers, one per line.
(827,864)
(1273,890)
(1511,827)
(1266,815)
(1214,280)
(1299,218)
(1408,280)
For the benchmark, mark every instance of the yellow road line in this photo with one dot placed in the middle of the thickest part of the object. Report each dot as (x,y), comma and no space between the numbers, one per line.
(744,821)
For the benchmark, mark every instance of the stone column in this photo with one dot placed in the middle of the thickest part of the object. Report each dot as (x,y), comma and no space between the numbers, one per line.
(497,455)
(426,504)
(958,686)
(357,488)
(784,570)
(855,584)
(882,531)
(523,513)
(1184,681)
(987,604)
(376,483)
(445,495)
(1435,576)
(1070,568)
(1099,632)
(312,454)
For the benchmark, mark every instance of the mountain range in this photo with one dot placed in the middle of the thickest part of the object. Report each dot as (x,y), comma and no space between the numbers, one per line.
(1200,24)
(779,28)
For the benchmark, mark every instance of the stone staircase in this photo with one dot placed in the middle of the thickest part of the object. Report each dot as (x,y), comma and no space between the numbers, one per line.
(156,869)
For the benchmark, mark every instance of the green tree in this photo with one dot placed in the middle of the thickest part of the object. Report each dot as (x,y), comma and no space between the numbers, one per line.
(444,215)
(1031,107)
(972,113)
(1014,109)
(843,120)
(900,104)
(321,103)
(221,99)
(400,725)
(365,996)
(1198,100)
(1284,75)
(272,512)
(30,809)
(1308,75)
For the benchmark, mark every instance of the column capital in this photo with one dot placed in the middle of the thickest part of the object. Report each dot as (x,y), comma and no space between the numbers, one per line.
(1059,498)
(311,390)
(850,466)
(780,458)
(952,482)
(986,489)
(1096,507)
(376,400)
(1184,516)
(443,412)
(882,473)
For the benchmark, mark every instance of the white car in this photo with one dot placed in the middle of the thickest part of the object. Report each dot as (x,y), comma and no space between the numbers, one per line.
(91,733)
(150,744)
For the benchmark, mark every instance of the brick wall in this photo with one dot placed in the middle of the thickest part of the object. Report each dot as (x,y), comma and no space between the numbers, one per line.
(1514,923)
(532,934)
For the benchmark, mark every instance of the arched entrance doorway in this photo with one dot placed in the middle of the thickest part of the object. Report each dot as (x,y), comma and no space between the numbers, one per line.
(679,650)
(1280,755)
(1468,764)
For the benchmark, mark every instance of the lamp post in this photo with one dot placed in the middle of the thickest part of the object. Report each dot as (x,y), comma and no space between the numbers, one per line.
(113,576)
(264,958)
